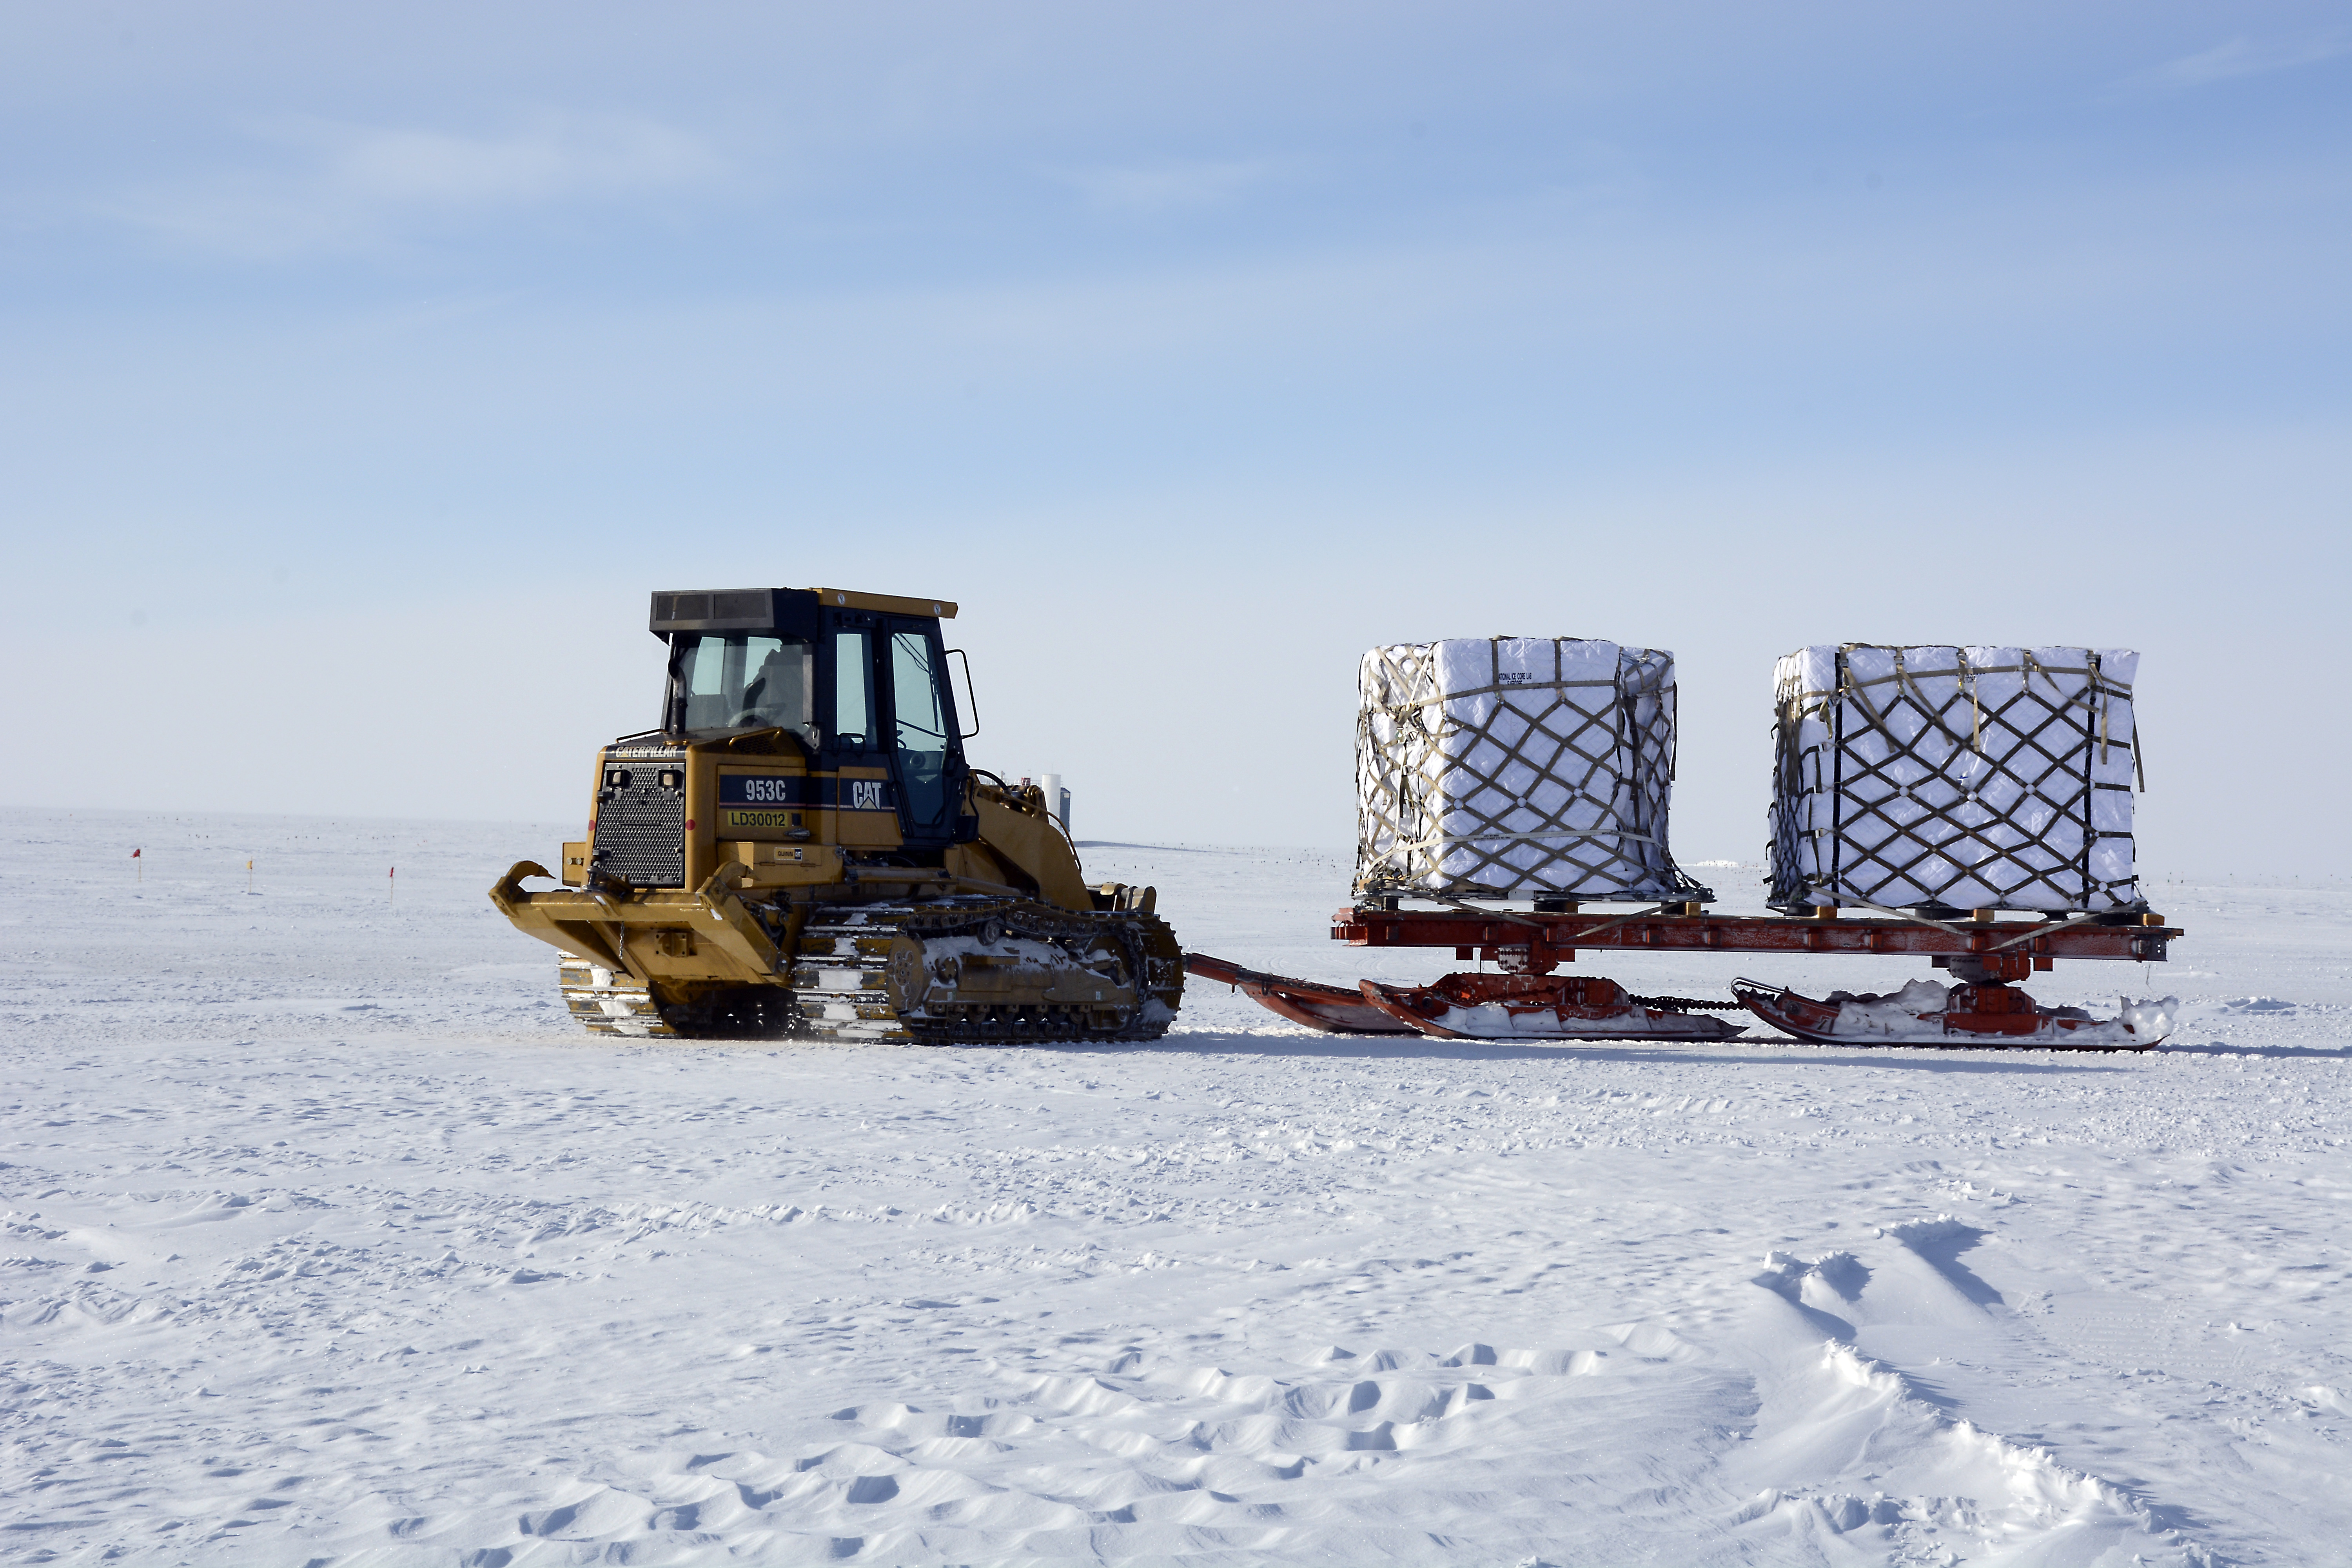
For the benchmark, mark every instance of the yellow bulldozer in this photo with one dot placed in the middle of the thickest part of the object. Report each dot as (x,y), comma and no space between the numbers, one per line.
(800,849)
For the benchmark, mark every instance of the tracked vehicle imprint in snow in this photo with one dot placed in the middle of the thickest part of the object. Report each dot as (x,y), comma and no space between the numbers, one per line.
(800,849)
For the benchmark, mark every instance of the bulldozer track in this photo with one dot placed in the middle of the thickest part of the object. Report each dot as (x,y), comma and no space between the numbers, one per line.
(1120,975)
(838,973)
(609,1004)
(843,974)
(926,971)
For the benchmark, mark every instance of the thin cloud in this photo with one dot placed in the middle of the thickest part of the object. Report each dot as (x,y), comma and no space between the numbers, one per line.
(2241,58)
(347,187)
(553,159)
(1153,190)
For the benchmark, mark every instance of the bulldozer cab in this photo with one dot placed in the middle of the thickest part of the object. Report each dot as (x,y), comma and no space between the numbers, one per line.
(799,850)
(858,680)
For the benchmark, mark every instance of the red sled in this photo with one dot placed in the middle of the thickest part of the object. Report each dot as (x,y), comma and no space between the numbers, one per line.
(1540,1007)
(1328,1008)
(1964,1017)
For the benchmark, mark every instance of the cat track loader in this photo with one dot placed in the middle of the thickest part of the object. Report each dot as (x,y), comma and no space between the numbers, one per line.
(800,849)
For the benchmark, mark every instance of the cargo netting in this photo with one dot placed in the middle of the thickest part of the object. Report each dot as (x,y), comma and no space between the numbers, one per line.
(1517,767)
(1954,777)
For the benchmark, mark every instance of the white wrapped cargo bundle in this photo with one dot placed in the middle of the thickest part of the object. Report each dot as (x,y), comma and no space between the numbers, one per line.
(1516,768)
(1967,777)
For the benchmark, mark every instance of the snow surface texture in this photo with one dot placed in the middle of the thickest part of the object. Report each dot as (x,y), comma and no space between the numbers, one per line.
(1513,766)
(1968,777)
(330,1238)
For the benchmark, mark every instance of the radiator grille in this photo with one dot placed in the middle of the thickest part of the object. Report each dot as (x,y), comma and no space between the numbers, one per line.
(641,822)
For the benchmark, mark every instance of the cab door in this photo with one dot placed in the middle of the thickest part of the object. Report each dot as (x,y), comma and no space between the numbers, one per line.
(925,747)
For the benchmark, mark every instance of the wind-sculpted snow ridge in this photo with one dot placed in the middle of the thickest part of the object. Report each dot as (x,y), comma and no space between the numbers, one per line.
(1941,1488)
(2005,1501)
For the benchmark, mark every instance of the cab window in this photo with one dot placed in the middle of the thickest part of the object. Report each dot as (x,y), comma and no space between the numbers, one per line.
(737,683)
(853,691)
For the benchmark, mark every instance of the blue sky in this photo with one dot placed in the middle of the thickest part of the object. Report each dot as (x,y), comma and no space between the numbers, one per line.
(362,371)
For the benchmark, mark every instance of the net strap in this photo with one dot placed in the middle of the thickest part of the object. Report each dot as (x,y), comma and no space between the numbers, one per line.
(1426,805)
(2049,767)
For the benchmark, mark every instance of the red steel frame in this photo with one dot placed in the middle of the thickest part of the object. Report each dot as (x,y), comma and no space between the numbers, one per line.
(1551,937)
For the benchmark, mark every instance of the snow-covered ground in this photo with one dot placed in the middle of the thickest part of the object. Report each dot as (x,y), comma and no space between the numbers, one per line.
(330,1240)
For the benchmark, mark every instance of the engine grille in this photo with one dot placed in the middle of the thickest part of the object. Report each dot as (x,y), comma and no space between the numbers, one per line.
(641,824)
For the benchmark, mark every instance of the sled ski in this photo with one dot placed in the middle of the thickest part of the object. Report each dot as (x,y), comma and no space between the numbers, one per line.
(1331,1010)
(1542,1007)
(1964,1017)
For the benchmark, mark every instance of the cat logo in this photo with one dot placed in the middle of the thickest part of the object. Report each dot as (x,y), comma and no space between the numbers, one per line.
(865,794)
